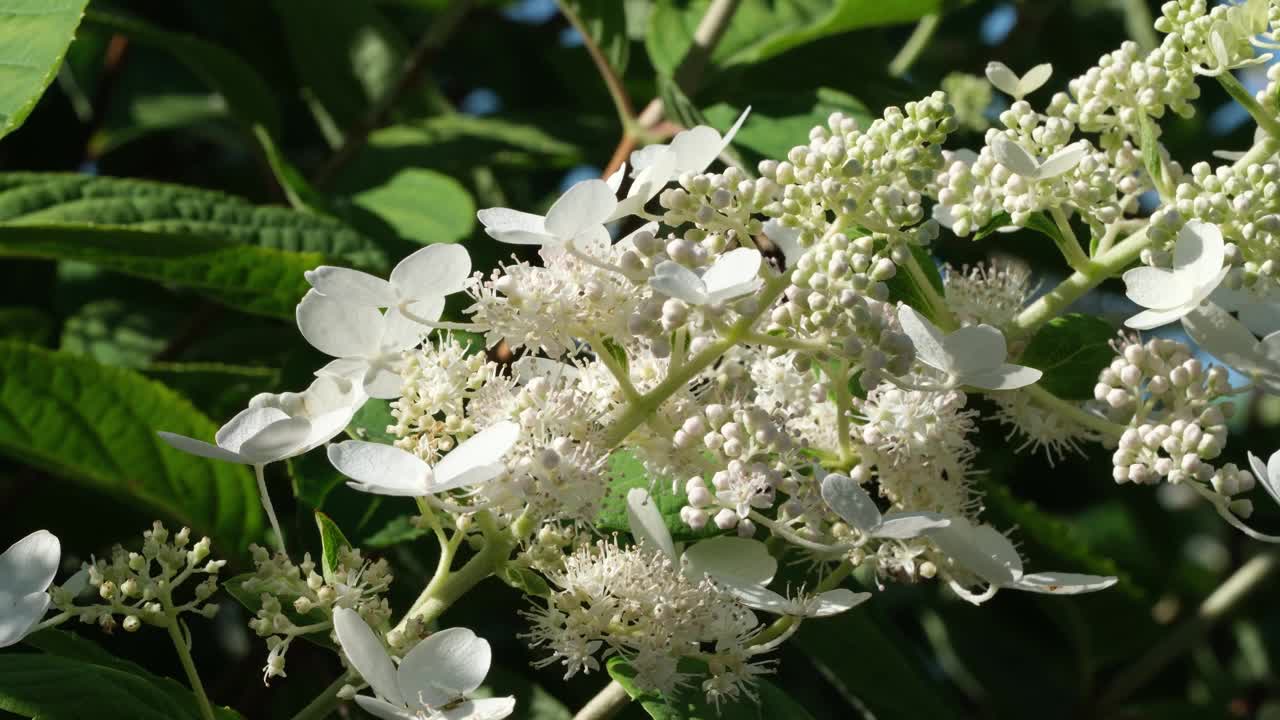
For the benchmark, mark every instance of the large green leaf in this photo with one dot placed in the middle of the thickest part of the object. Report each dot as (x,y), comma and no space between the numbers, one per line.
(423,206)
(761,29)
(771,701)
(248,98)
(33,38)
(114,332)
(246,256)
(1071,350)
(903,286)
(97,425)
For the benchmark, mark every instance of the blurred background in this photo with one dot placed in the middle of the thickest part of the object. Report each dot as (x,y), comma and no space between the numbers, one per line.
(400,118)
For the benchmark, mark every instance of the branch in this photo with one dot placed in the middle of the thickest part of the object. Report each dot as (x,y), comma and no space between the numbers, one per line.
(613,83)
(606,704)
(914,45)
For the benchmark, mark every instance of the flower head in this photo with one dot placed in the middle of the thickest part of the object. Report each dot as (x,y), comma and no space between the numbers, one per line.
(972,355)
(417,287)
(1170,294)
(732,275)
(369,344)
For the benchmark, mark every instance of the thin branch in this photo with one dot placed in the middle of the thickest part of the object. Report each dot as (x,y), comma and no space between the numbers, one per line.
(607,703)
(613,83)
(410,75)
(914,45)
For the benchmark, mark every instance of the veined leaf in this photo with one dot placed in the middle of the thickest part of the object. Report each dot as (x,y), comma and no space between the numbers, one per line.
(1071,350)
(97,425)
(772,702)
(332,541)
(903,286)
(423,206)
(33,40)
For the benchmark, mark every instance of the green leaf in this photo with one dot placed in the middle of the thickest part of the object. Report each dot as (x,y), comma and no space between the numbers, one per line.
(332,542)
(27,324)
(627,472)
(97,425)
(371,422)
(882,676)
(248,98)
(33,40)
(605,22)
(423,206)
(400,530)
(525,580)
(903,286)
(771,703)
(1071,350)
(113,333)
(296,188)
(761,29)
(780,121)
(1151,150)
(56,688)
(219,389)
(997,222)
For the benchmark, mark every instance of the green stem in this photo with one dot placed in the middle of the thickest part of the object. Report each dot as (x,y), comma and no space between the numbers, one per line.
(448,586)
(1137,20)
(326,702)
(915,45)
(1265,119)
(1215,608)
(839,375)
(1067,243)
(1073,412)
(189,666)
(258,471)
(606,704)
(1068,291)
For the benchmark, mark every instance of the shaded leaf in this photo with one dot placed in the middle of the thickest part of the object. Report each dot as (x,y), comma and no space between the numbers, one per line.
(371,422)
(904,288)
(780,121)
(33,39)
(332,542)
(1071,350)
(627,472)
(27,324)
(114,333)
(423,206)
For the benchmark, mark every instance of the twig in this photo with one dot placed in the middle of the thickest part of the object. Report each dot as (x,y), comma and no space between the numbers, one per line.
(613,83)
(414,65)
(914,45)
(606,704)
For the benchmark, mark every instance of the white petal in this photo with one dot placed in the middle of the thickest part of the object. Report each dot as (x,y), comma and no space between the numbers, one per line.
(1011,155)
(399,332)
(351,286)
(787,240)
(199,447)
(435,270)
(1199,251)
(1034,79)
(677,281)
(1224,337)
(1006,377)
(735,268)
(980,549)
(1063,161)
(647,525)
(382,382)
(644,157)
(1060,583)
(1148,319)
(614,181)
(478,459)
(851,502)
(732,132)
(521,237)
(1156,287)
(336,328)
(381,469)
(28,566)
(352,369)
(906,525)
(594,241)
(696,148)
(1262,318)
(384,710)
(446,666)
(587,203)
(1268,476)
(277,441)
(629,242)
(508,220)
(928,340)
(1002,78)
(21,614)
(653,178)
(834,602)
(745,559)
(247,423)
(367,655)
(976,348)
(759,597)
(481,709)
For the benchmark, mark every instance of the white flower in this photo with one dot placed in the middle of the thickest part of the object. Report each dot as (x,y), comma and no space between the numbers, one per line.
(388,470)
(856,507)
(577,218)
(694,149)
(369,344)
(1230,341)
(984,552)
(1268,476)
(418,284)
(1170,294)
(1260,314)
(973,355)
(1008,82)
(1013,156)
(280,426)
(433,679)
(732,275)
(26,571)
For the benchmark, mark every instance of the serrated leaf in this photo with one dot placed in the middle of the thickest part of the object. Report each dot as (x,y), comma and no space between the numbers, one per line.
(248,98)
(50,687)
(772,702)
(97,425)
(605,22)
(33,40)
(332,542)
(1071,350)
(627,472)
(780,121)
(423,206)
(761,29)
(904,288)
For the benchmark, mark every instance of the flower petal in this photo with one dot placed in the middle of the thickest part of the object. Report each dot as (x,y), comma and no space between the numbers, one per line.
(1002,78)
(587,203)
(1148,319)
(384,710)
(480,709)
(647,525)
(1157,288)
(675,280)
(787,240)
(759,597)
(929,342)
(733,273)
(277,441)
(499,220)
(834,602)
(740,558)
(477,459)
(1034,79)
(906,525)
(351,286)
(1199,251)
(367,655)
(399,332)
(446,666)
(433,271)
(1012,155)
(199,447)
(381,469)
(976,348)
(339,329)
(980,549)
(1062,161)
(247,423)
(1006,377)
(1060,583)
(851,502)
(1224,337)
(17,618)
(28,566)
(1262,318)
